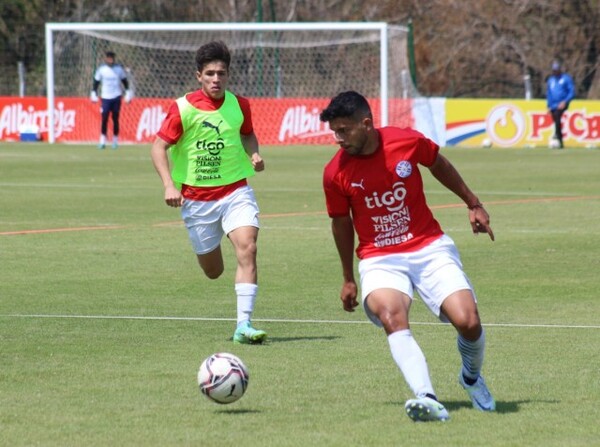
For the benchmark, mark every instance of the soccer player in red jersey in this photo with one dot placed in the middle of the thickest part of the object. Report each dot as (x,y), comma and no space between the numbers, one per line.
(373,187)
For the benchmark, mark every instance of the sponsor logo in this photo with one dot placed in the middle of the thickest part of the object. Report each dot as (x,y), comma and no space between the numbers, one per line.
(391,200)
(212,126)
(299,122)
(358,185)
(14,117)
(506,124)
(149,123)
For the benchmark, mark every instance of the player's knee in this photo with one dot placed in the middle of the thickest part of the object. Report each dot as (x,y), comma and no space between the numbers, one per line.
(470,327)
(393,321)
(213,272)
(248,251)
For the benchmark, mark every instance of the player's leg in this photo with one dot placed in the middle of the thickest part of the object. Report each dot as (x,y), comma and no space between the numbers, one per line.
(447,292)
(104,113)
(389,307)
(211,263)
(557,117)
(461,310)
(116,112)
(203,224)
(240,222)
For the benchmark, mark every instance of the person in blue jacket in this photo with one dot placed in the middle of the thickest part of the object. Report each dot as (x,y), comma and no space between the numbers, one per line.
(559,93)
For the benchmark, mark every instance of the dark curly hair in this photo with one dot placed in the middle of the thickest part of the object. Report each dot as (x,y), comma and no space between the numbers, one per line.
(211,52)
(346,105)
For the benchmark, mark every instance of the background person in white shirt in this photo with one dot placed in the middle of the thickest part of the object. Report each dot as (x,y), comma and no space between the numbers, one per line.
(113,78)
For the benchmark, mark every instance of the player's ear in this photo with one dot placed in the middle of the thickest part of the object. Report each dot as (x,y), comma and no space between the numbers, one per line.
(367,122)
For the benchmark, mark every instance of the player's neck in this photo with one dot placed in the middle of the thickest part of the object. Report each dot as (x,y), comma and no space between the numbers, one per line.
(372,143)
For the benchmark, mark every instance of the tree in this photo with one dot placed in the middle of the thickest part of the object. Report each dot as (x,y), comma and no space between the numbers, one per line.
(464,48)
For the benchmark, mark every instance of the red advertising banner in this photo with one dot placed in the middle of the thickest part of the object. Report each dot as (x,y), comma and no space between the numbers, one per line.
(276,121)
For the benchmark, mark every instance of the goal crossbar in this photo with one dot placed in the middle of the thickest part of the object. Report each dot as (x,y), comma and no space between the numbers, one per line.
(380,27)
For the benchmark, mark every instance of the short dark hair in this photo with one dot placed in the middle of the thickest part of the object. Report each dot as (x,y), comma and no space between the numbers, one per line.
(110,54)
(211,52)
(347,105)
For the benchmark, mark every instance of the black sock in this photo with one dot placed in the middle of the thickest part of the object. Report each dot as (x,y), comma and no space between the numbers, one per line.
(469,381)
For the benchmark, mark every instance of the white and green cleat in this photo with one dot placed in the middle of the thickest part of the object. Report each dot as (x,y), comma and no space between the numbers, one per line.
(245,334)
(425,409)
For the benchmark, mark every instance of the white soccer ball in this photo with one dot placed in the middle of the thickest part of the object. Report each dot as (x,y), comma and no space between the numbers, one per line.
(554,143)
(223,378)
(486,142)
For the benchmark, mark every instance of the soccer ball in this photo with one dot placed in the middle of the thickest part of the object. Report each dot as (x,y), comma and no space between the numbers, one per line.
(223,378)
(554,143)
(486,142)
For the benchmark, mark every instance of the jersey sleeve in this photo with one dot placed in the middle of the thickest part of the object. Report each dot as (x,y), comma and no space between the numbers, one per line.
(428,151)
(171,128)
(338,204)
(247,126)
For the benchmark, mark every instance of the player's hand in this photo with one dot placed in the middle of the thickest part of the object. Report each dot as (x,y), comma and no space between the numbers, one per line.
(348,296)
(480,221)
(93,96)
(173,197)
(128,96)
(257,162)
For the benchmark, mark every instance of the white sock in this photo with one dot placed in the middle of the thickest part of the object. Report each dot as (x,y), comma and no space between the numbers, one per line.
(472,355)
(246,296)
(115,140)
(103,139)
(410,359)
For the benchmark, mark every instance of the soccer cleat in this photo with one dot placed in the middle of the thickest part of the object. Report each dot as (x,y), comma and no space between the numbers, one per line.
(480,395)
(115,146)
(426,409)
(101,146)
(247,335)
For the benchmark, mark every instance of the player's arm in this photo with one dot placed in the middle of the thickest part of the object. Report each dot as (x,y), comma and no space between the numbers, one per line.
(160,160)
(249,140)
(250,143)
(94,92)
(343,234)
(128,95)
(447,175)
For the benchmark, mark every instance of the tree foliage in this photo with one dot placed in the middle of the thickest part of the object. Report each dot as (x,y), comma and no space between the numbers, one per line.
(463,48)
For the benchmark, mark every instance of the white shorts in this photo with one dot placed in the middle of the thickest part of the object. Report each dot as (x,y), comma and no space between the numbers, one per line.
(207,222)
(435,272)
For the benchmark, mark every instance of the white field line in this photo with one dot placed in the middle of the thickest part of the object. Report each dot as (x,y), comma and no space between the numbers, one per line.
(283,320)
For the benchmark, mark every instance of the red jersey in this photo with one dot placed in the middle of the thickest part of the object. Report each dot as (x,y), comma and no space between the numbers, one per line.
(172,129)
(383,192)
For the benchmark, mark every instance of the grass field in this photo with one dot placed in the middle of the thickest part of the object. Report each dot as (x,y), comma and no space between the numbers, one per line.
(105,317)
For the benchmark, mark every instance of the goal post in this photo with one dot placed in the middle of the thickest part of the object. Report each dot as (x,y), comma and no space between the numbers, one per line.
(313,60)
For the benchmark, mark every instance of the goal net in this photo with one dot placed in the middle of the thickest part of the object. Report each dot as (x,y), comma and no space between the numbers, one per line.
(278,66)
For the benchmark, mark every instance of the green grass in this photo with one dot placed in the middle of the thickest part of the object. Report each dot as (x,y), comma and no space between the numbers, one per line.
(104,323)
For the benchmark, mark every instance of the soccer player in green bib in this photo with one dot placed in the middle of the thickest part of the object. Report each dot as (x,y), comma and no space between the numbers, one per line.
(209,137)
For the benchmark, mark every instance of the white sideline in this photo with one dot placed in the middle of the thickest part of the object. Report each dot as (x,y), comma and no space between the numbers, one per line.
(284,320)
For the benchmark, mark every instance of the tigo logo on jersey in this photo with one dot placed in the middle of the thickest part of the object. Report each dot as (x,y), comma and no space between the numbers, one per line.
(391,200)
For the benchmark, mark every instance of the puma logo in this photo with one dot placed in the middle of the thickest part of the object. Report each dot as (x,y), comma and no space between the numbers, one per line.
(358,185)
(212,126)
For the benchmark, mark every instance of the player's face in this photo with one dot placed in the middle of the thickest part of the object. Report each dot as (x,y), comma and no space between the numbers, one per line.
(351,135)
(213,79)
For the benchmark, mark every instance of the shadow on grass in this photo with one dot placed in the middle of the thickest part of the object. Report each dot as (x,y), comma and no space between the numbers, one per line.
(289,339)
(237,411)
(502,407)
